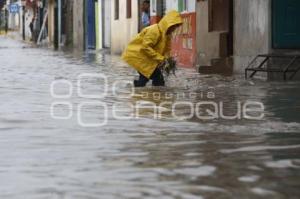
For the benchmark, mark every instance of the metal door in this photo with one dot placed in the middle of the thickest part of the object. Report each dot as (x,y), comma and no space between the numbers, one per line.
(286,24)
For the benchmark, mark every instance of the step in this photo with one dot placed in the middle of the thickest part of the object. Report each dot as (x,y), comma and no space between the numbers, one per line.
(270,70)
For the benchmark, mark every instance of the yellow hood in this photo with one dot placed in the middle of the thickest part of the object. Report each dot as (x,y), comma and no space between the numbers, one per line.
(170,19)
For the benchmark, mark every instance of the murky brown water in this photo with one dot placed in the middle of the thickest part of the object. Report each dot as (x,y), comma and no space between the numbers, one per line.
(150,156)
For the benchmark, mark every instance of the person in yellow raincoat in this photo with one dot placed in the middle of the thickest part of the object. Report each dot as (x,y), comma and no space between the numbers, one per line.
(150,48)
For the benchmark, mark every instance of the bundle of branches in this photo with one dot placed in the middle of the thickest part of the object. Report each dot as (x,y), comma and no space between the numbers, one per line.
(169,66)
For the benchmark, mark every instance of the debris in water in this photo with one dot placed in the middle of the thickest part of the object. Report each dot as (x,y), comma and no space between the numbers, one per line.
(169,66)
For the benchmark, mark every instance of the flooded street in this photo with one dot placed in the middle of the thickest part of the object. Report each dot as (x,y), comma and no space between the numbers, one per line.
(175,154)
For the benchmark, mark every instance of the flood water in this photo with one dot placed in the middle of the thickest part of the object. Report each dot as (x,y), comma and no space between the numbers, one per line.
(175,154)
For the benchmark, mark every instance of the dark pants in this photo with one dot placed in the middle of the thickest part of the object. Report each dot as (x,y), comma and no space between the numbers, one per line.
(157,79)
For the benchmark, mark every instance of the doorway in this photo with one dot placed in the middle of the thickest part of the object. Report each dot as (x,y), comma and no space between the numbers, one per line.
(90,24)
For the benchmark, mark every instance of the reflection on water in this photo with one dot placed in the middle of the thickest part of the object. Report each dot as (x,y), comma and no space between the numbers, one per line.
(140,157)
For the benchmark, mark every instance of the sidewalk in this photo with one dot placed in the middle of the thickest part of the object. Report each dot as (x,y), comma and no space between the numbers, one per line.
(17,36)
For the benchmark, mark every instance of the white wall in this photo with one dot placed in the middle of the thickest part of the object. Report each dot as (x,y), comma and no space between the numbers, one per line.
(123,29)
(208,43)
(252,22)
(100,29)
(173,5)
(78,24)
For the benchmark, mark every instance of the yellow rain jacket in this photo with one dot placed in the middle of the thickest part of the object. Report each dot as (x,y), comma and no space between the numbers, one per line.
(152,46)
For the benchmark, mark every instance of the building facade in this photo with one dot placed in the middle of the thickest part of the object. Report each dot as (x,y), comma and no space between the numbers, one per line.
(124,23)
(230,33)
(78,25)
(265,26)
(217,36)
(60,22)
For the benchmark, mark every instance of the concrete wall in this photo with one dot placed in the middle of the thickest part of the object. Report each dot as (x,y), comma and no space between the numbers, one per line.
(123,29)
(208,43)
(252,31)
(78,25)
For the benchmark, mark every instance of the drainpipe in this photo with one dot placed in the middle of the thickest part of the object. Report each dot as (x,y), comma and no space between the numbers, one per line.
(59,23)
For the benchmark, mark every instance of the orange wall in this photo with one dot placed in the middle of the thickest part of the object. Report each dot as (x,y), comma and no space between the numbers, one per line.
(184,41)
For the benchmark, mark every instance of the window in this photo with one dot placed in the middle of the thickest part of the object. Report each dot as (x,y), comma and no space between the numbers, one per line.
(153,5)
(117,9)
(164,7)
(182,5)
(161,7)
(128,9)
